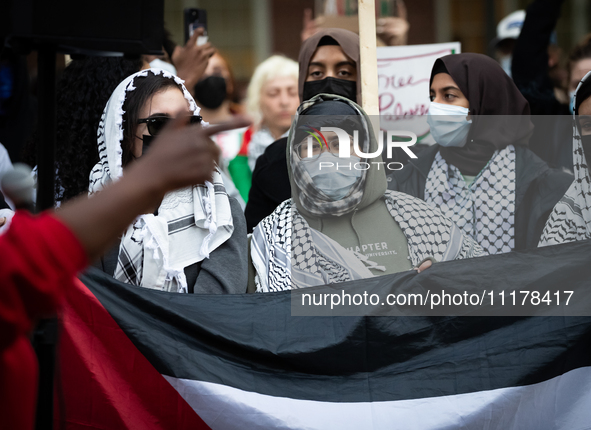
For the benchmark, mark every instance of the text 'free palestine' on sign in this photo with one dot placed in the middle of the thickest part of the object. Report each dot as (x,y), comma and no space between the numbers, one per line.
(403,80)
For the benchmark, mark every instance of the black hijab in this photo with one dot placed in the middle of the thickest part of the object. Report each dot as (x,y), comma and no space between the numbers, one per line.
(347,40)
(491,92)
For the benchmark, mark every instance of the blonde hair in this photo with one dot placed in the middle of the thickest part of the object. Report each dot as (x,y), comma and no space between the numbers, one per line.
(273,67)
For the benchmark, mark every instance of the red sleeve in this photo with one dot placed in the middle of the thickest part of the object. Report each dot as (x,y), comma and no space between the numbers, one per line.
(39,257)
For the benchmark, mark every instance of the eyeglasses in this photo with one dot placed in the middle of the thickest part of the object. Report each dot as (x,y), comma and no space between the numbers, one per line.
(157,123)
(310,148)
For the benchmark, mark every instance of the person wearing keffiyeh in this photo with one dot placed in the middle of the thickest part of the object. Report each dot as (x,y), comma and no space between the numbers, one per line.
(185,245)
(341,227)
(571,218)
(481,173)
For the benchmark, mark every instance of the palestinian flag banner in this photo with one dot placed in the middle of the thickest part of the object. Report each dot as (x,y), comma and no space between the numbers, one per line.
(133,358)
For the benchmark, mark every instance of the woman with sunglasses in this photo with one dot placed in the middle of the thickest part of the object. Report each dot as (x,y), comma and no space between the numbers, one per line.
(186,243)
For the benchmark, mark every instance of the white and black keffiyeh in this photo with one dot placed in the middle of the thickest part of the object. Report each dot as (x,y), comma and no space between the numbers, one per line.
(311,198)
(570,219)
(191,222)
(485,210)
(287,253)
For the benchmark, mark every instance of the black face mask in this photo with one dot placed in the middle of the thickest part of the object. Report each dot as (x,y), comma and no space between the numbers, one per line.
(211,92)
(586,141)
(339,87)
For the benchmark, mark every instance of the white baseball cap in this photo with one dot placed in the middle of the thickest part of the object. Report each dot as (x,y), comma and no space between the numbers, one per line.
(510,26)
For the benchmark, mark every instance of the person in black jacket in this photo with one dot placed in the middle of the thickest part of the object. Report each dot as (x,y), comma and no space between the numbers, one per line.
(481,173)
(531,71)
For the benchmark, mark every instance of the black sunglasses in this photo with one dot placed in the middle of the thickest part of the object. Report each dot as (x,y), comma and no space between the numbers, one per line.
(157,123)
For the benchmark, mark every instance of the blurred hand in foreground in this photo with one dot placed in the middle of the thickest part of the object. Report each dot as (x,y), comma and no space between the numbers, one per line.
(180,156)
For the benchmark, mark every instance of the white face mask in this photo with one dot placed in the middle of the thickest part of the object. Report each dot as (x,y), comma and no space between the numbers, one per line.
(449,126)
(571,104)
(335,183)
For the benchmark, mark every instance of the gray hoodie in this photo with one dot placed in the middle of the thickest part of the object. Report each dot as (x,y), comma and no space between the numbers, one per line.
(367,226)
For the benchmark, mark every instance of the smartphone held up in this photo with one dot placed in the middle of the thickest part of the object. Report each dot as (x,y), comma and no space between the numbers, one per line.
(195,19)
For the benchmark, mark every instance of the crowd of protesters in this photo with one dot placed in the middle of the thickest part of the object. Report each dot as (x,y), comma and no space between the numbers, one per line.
(189,196)
(493,176)
(490,181)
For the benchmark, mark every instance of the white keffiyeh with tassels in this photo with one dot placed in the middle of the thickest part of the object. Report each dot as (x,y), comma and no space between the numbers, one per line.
(191,222)
(571,218)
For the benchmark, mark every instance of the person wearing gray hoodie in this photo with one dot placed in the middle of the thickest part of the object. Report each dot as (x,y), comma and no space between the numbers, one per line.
(343,224)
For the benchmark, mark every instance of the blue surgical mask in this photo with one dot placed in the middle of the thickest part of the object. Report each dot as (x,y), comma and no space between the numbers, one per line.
(332,181)
(448,123)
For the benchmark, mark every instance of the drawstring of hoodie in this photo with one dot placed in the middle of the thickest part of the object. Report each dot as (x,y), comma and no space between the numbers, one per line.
(368,263)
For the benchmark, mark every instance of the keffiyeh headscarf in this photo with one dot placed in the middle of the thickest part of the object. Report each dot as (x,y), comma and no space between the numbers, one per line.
(191,222)
(306,193)
(571,218)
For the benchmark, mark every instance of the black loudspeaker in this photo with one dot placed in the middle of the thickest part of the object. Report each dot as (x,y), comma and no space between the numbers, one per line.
(72,26)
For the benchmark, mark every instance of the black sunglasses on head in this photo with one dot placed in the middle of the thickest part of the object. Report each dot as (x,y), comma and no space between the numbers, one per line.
(157,123)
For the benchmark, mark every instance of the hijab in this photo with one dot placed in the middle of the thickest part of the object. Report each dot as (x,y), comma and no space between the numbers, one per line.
(191,222)
(501,115)
(372,185)
(571,218)
(347,40)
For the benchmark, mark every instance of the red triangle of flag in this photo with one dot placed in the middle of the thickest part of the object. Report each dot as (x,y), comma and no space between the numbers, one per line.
(106,382)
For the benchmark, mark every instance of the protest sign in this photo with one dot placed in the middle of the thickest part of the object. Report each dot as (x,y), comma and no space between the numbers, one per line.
(403,79)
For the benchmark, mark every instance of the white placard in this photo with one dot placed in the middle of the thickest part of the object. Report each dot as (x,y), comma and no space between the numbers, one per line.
(403,79)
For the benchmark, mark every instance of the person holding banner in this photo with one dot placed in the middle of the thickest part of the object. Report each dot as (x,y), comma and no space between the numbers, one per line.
(481,173)
(571,218)
(328,63)
(341,223)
